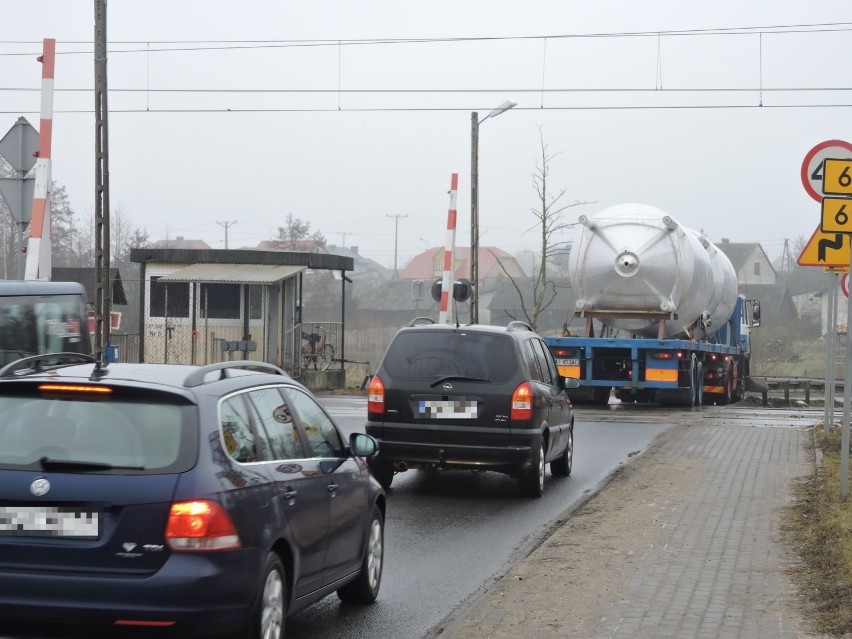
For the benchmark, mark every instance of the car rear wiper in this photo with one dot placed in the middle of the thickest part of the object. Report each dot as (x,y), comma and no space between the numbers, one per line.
(461,377)
(67,464)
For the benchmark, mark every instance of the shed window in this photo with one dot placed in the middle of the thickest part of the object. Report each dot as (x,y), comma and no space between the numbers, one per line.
(220,301)
(757,268)
(177,294)
(255,292)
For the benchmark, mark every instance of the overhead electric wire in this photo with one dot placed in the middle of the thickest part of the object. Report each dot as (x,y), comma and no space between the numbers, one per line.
(750,30)
(321,42)
(336,109)
(456,91)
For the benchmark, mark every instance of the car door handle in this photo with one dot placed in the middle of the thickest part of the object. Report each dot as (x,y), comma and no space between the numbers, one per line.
(289,494)
(332,488)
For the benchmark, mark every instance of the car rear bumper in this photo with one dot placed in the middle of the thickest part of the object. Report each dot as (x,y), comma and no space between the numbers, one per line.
(205,592)
(414,445)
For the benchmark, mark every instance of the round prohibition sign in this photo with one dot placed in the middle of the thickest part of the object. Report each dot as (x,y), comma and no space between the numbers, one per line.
(812,166)
(844,284)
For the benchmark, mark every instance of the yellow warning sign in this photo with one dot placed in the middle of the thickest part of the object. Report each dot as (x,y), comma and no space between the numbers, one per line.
(836,215)
(830,250)
(837,177)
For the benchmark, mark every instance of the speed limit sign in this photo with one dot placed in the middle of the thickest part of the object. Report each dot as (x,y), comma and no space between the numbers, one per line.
(813,165)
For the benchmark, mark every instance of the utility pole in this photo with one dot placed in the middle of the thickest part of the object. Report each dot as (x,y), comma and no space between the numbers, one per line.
(396,219)
(226,226)
(102,232)
(786,258)
(474,203)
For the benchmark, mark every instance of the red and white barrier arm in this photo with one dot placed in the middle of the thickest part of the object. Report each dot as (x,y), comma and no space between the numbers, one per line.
(39,264)
(449,255)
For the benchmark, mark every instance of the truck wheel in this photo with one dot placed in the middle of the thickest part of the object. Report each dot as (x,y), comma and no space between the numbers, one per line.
(699,384)
(728,397)
(692,393)
(739,384)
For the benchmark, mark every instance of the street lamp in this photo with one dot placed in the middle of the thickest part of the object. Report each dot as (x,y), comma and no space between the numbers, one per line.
(474,203)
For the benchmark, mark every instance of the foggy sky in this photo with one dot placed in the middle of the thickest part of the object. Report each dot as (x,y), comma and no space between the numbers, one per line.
(225,111)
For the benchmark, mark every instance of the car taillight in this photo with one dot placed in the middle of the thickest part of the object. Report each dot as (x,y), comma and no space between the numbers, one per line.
(376,396)
(522,403)
(200,525)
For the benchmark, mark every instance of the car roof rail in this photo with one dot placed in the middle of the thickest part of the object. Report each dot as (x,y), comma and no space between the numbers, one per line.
(197,377)
(45,361)
(420,321)
(518,325)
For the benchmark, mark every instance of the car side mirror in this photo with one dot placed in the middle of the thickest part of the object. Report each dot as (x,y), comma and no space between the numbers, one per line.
(363,445)
(570,382)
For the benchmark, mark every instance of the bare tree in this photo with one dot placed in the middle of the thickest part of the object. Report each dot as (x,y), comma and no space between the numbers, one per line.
(125,236)
(64,227)
(550,226)
(8,244)
(296,235)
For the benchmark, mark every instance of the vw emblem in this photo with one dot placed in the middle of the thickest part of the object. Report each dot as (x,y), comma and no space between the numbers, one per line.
(40,487)
(447,386)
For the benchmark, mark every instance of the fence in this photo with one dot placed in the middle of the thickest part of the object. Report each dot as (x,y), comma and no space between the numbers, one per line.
(320,346)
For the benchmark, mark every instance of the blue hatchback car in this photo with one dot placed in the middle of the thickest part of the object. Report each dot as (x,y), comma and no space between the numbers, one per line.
(215,499)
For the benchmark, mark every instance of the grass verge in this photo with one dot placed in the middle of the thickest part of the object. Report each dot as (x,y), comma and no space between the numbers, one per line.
(818,529)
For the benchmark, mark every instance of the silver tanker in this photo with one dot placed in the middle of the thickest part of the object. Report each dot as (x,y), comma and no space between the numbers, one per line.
(637,269)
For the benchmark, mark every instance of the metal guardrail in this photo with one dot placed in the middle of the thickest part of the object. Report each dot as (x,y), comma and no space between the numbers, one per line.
(786,385)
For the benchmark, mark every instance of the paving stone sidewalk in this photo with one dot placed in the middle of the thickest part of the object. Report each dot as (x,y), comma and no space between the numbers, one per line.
(684,542)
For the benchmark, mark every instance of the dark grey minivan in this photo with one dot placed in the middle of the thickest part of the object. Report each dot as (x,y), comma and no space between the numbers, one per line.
(471,397)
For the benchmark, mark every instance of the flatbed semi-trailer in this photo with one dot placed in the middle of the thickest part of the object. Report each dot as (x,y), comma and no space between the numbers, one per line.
(664,370)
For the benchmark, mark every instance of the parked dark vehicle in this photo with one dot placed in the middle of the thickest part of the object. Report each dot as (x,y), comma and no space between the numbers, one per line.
(38,317)
(476,397)
(214,499)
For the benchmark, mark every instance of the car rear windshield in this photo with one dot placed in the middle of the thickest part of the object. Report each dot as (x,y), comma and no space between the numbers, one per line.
(435,354)
(70,430)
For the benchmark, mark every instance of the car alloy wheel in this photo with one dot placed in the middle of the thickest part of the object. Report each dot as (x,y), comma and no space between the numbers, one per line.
(375,555)
(271,609)
(561,466)
(531,480)
(365,588)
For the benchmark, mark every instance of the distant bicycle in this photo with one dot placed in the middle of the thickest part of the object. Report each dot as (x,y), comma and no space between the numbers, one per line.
(317,351)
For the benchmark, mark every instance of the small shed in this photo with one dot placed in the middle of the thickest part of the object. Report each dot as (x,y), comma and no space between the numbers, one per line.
(86,276)
(205,305)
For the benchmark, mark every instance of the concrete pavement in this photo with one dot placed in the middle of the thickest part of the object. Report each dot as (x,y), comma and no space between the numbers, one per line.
(683,542)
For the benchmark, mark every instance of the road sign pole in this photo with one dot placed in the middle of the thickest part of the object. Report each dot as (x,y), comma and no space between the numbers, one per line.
(847,401)
(828,420)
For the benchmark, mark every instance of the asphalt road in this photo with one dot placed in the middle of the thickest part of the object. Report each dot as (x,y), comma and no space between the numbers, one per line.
(448,533)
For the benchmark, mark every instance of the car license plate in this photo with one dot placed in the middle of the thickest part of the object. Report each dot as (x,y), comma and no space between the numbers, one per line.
(447,409)
(48,521)
(567,362)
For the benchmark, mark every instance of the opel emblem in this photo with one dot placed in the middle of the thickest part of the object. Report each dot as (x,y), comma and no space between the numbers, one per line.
(447,386)
(40,487)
